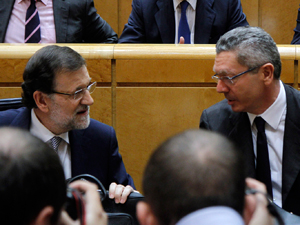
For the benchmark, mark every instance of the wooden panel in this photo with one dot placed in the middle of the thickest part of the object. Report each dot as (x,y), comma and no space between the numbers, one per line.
(101,110)
(108,10)
(164,70)
(147,116)
(99,70)
(11,70)
(250,8)
(279,19)
(10,92)
(287,73)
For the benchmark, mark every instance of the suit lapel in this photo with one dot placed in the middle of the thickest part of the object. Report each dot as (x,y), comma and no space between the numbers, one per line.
(6,7)
(241,134)
(61,14)
(79,157)
(165,20)
(291,144)
(205,17)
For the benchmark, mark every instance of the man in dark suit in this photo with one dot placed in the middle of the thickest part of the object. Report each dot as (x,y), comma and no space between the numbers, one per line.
(74,21)
(156,21)
(57,94)
(248,68)
(296,38)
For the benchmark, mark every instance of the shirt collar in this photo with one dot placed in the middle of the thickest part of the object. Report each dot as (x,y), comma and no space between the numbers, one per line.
(274,113)
(40,131)
(226,215)
(177,2)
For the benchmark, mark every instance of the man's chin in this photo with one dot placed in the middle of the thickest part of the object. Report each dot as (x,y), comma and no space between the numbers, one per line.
(83,123)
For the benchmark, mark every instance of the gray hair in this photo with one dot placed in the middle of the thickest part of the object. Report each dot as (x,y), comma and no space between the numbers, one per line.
(253,46)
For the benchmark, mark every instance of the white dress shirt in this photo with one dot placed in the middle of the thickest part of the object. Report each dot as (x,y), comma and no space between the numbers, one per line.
(275,121)
(190,14)
(216,215)
(64,151)
(15,31)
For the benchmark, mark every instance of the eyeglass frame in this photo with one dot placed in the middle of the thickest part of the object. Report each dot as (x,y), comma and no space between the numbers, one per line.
(88,88)
(216,79)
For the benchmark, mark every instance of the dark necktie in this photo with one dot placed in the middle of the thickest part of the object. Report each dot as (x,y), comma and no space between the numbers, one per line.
(32,25)
(183,29)
(54,142)
(263,172)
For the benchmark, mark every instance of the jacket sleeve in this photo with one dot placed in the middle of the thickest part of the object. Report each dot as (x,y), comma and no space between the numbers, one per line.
(296,38)
(133,31)
(96,29)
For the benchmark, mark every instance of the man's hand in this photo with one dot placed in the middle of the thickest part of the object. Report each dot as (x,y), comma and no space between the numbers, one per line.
(119,192)
(94,213)
(255,211)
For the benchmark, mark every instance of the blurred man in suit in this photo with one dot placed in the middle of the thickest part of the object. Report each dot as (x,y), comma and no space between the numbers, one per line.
(158,21)
(32,184)
(197,177)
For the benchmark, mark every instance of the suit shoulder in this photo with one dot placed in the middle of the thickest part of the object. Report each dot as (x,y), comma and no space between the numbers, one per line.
(99,128)
(8,116)
(221,107)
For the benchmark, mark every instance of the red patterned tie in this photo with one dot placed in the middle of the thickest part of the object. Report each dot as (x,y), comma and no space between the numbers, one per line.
(32,25)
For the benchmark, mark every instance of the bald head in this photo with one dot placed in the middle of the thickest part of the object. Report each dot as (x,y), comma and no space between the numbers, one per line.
(193,170)
(31,177)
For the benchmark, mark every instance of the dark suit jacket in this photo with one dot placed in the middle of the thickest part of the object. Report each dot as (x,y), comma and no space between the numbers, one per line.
(236,126)
(93,150)
(76,21)
(296,39)
(152,21)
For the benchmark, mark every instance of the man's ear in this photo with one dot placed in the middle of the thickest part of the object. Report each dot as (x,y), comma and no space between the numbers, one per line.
(41,101)
(44,217)
(145,214)
(268,72)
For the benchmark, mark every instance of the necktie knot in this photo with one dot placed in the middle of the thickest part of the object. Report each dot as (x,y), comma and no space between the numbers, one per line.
(260,124)
(184,5)
(54,142)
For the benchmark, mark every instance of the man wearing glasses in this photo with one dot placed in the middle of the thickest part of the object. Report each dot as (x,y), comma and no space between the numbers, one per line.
(260,113)
(57,92)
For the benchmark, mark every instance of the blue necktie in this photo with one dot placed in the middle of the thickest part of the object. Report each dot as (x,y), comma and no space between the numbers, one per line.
(263,172)
(183,29)
(32,25)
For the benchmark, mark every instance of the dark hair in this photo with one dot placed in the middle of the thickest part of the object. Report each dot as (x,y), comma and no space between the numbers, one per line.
(31,177)
(40,71)
(253,47)
(191,171)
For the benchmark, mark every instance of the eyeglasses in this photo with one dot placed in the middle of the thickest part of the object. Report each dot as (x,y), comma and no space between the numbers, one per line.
(229,80)
(80,93)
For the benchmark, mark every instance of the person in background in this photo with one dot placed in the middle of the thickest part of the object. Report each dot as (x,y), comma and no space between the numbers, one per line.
(53,21)
(296,38)
(57,92)
(198,177)
(177,21)
(32,184)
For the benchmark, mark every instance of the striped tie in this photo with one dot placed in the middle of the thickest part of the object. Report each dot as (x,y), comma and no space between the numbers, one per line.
(32,25)
(54,142)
